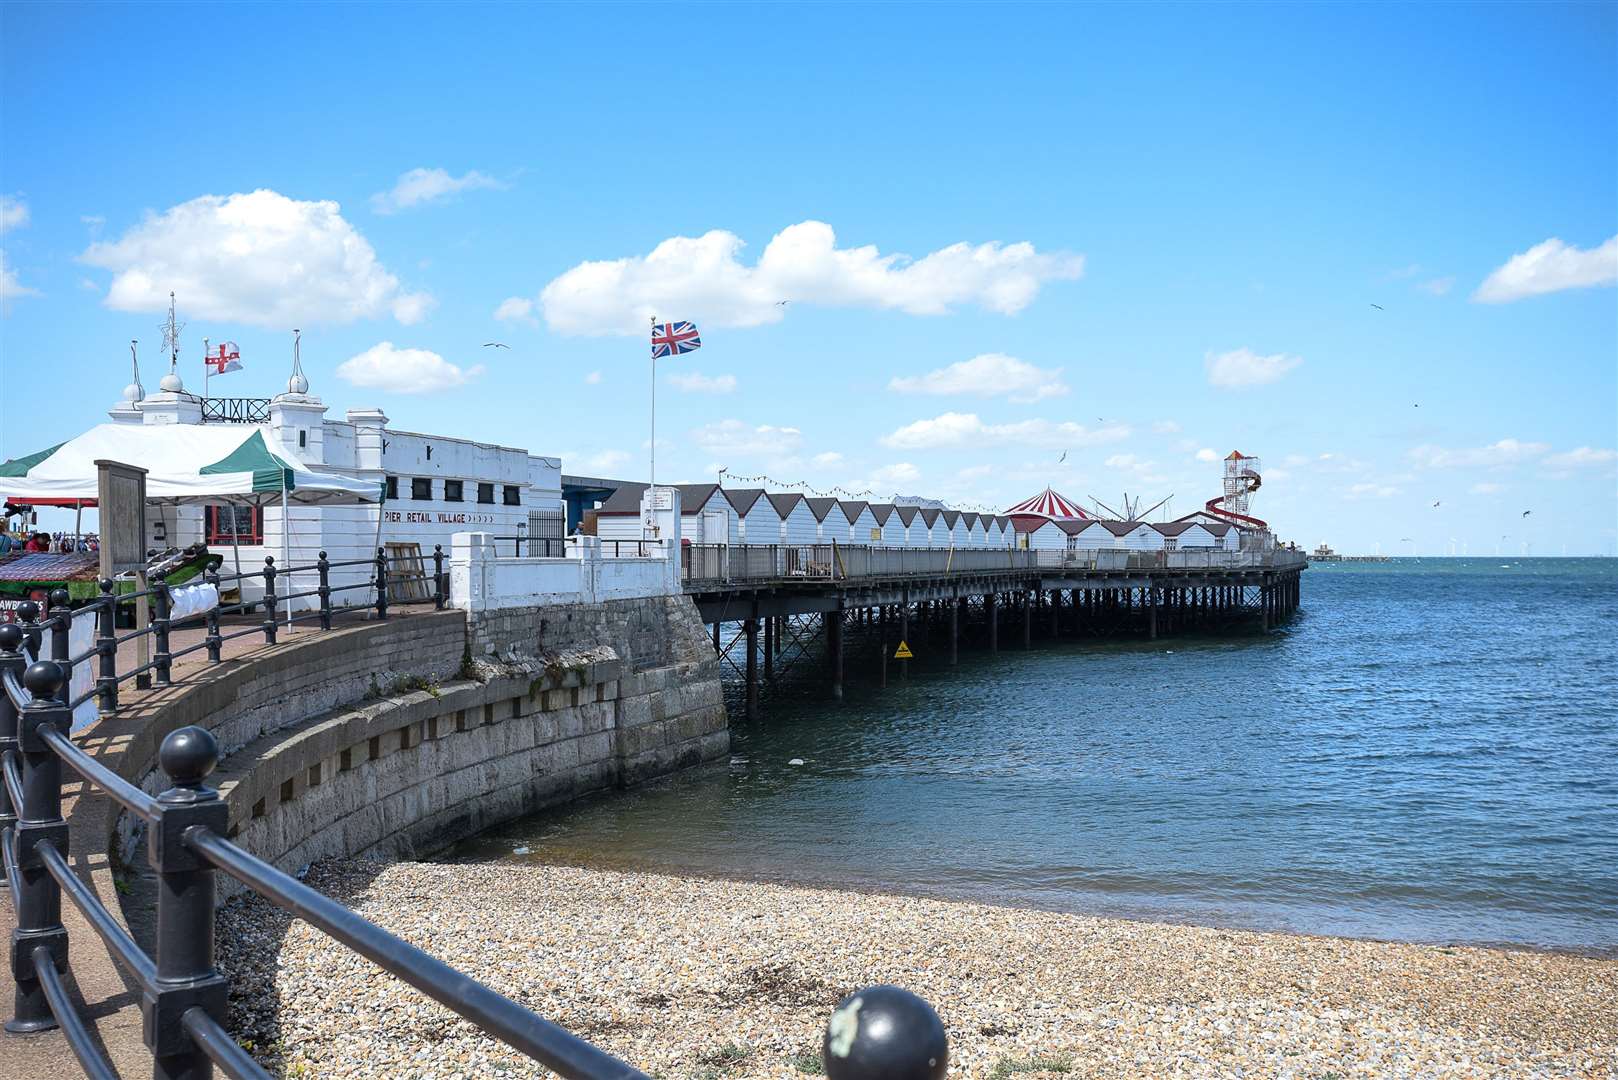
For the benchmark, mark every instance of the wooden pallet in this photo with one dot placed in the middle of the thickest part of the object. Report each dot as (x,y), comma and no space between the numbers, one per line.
(408,578)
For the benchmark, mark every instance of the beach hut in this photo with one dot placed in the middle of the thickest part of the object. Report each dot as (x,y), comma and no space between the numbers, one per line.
(1035,532)
(932,526)
(830,524)
(798,524)
(756,519)
(706,515)
(910,522)
(892,526)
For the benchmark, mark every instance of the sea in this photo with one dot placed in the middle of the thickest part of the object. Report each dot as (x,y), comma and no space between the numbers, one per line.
(1427,752)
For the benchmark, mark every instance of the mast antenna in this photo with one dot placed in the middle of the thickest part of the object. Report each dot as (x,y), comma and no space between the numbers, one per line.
(171,336)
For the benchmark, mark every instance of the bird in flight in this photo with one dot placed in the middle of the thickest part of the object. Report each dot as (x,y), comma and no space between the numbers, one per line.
(1379,307)
(782,303)
(1436,505)
(495,345)
(1525,513)
(1062,458)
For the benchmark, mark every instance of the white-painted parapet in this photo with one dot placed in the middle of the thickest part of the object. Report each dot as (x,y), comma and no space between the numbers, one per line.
(591,572)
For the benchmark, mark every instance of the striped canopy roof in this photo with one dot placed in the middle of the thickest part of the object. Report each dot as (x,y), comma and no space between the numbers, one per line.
(1049,504)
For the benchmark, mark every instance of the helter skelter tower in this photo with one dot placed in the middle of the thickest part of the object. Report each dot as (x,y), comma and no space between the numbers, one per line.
(1243,476)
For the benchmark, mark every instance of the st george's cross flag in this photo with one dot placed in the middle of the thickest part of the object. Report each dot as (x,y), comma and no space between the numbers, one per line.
(674,338)
(228,358)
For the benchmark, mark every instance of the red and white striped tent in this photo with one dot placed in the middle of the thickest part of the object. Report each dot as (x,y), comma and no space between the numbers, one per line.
(1049,504)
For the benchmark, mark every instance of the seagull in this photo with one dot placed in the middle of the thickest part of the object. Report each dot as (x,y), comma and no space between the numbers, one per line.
(1525,513)
(1062,458)
(1379,307)
(1436,505)
(495,345)
(782,303)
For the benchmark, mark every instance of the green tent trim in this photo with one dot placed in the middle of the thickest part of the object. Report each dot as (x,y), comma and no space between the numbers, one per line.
(21,466)
(252,456)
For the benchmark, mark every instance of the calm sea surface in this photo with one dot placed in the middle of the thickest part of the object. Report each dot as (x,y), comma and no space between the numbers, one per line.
(1428,752)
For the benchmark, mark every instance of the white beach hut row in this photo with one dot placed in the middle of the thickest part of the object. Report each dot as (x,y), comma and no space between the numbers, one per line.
(714,515)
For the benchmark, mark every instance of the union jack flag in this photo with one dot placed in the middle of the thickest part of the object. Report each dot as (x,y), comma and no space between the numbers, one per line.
(672,339)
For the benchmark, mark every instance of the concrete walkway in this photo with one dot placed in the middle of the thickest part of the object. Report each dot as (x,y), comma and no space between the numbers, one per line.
(99,988)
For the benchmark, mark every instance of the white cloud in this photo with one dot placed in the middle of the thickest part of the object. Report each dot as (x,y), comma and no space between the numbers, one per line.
(694,382)
(13,212)
(10,287)
(404,371)
(604,462)
(516,309)
(1583,456)
(1487,489)
(987,375)
(973,472)
(892,477)
(593,378)
(702,278)
(1550,267)
(1207,453)
(419,186)
(1437,286)
(258,258)
(735,437)
(1504,452)
(828,459)
(1371,491)
(966,429)
(1165,427)
(1244,367)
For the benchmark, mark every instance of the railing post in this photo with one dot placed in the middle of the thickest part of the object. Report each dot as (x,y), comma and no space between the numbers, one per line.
(884,1032)
(107,648)
(61,628)
(186,978)
(269,599)
(214,641)
(28,619)
(162,658)
(323,567)
(438,575)
(381,583)
(39,899)
(10,660)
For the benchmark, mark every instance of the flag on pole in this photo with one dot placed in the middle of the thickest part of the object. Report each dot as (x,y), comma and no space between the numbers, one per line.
(674,338)
(228,358)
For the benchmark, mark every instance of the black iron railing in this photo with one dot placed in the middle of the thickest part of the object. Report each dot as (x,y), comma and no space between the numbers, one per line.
(533,547)
(235,410)
(879,1032)
(391,581)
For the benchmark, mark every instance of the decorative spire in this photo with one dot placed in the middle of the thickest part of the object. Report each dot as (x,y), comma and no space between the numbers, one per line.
(134,391)
(171,341)
(297,384)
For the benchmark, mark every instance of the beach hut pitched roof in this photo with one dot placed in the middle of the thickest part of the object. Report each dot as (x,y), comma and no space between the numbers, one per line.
(882,512)
(742,499)
(820,507)
(785,503)
(929,516)
(907,514)
(1172,528)
(626,500)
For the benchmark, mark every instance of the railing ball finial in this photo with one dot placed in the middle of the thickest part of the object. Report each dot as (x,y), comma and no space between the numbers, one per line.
(60,598)
(44,679)
(10,637)
(886,1032)
(27,611)
(188,755)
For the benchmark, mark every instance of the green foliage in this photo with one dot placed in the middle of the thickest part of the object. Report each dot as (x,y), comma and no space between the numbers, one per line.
(1009,1066)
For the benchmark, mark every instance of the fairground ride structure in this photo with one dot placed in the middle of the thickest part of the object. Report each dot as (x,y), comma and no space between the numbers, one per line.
(1242,478)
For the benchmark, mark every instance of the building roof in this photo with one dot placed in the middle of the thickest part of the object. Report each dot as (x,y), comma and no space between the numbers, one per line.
(929,516)
(972,520)
(907,514)
(852,510)
(626,500)
(820,507)
(882,512)
(784,503)
(743,498)
(951,517)
(1049,503)
(1032,523)
(1172,528)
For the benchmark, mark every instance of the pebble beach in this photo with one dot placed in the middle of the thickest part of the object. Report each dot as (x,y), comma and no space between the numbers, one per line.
(724,980)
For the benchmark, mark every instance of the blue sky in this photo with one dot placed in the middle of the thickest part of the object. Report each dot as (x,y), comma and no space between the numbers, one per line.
(1164,228)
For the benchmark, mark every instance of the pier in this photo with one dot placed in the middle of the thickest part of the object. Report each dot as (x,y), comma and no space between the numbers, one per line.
(780,600)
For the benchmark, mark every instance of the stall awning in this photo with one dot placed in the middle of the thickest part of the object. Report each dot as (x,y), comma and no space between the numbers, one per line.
(184,463)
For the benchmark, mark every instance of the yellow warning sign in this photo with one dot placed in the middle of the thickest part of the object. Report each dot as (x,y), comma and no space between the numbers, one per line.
(903,652)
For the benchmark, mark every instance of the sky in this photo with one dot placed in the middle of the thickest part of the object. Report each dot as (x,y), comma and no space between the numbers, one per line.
(1090,247)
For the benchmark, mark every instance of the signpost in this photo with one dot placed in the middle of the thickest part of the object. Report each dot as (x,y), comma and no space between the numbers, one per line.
(121,496)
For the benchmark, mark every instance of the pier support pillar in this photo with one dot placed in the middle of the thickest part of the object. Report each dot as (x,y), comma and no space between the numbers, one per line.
(834,647)
(1028,618)
(1151,613)
(750,627)
(991,608)
(1056,613)
(904,635)
(716,645)
(954,630)
(769,649)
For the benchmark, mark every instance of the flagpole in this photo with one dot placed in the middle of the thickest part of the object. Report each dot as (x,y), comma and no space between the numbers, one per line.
(653,361)
(207,369)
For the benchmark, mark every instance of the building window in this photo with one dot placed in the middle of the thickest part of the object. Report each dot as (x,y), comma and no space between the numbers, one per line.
(512,495)
(452,491)
(393,488)
(303,438)
(234,524)
(421,488)
(485,493)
